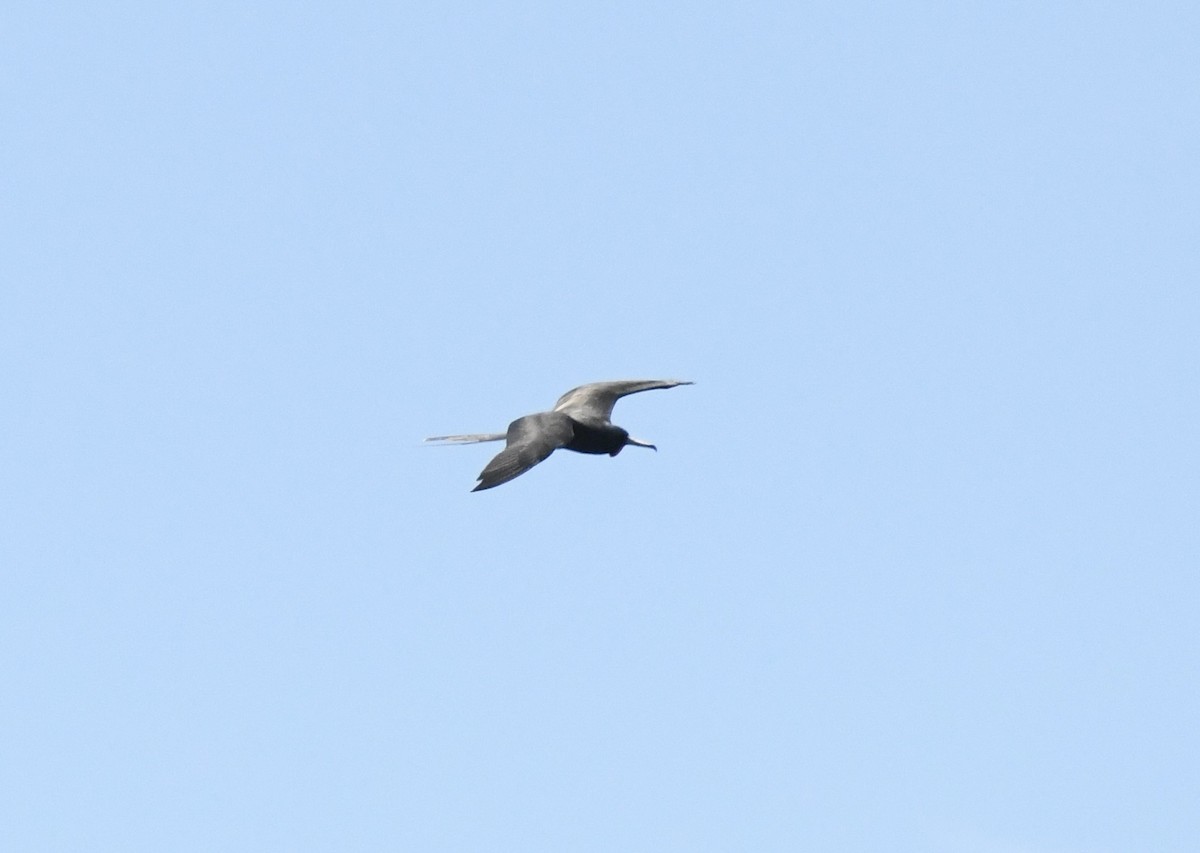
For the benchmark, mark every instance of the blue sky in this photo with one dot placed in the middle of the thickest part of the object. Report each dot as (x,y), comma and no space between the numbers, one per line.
(915,566)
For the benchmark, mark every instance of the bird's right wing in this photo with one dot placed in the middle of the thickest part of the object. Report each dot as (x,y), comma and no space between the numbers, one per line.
(595,402)
(530,440)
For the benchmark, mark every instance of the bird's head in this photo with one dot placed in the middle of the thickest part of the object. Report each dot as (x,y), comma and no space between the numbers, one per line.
(637,442)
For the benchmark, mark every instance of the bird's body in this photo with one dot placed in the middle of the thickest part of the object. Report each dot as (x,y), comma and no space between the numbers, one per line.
(580,421)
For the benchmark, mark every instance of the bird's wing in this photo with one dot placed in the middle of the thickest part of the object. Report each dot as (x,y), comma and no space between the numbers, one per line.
(530,440)
(595,401)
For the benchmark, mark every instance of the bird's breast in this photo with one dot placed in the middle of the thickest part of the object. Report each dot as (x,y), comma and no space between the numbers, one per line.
(597,438)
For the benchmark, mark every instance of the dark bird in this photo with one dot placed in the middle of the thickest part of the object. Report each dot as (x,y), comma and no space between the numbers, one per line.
(579,421)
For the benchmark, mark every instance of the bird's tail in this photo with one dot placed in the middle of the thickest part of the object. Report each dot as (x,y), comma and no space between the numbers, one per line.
(473,438)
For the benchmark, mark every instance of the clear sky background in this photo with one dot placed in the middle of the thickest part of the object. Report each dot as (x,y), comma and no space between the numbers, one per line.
(915,566)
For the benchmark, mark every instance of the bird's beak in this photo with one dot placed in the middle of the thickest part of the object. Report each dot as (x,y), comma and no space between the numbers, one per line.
(637,442)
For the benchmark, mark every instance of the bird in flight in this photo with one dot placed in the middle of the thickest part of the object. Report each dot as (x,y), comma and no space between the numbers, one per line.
(580,421)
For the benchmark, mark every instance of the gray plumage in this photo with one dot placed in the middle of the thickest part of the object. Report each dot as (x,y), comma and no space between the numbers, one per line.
(580,421)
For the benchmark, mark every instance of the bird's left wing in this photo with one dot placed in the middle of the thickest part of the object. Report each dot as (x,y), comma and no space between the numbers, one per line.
(595,402)
(530,440)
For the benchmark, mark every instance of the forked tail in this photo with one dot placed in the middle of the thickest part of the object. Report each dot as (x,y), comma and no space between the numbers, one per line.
(473,438)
